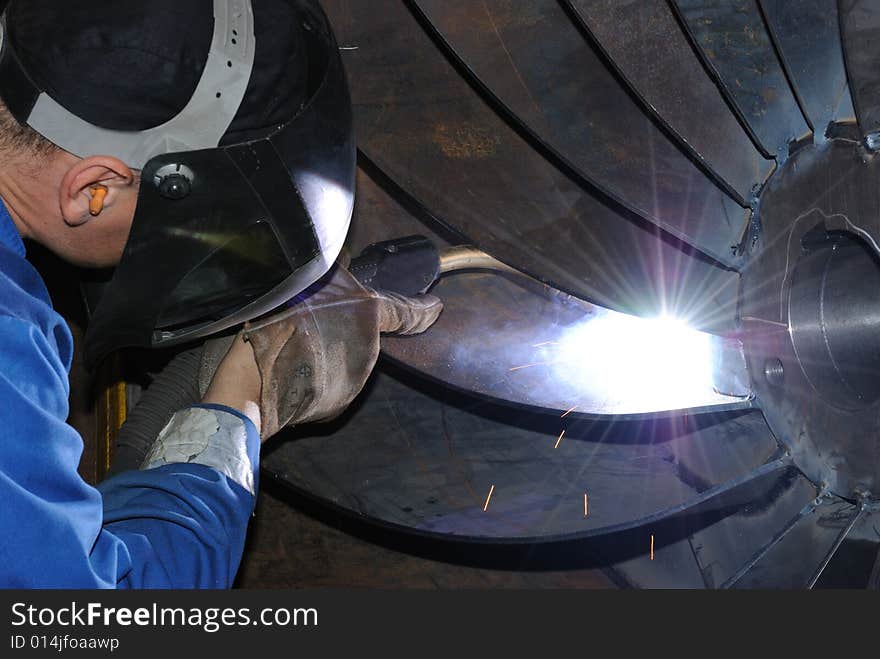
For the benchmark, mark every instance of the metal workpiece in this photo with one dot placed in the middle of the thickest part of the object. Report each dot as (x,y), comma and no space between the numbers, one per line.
(658,227)
(645,44)
(409,458)
(513,68)
(730,372)
(810,538)
(527,150)
(593,263)
(549,350)
(732,41)
(508,340)
(807,38)
(510,337)
(834,321)
(860,27)
(811,314)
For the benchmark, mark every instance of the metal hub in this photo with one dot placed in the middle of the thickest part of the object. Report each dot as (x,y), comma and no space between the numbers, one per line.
(811,313)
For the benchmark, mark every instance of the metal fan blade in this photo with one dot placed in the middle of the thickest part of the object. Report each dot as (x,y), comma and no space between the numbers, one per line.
(410,460)
(795,556)
(860,26)
(731,38)
(852,561)
(832,551)
(699,548)
(727,547)
(537,347)
(856,562)
(645,43)
(610,261)
(807,36)
(582,113)
(437,137)
(551,350)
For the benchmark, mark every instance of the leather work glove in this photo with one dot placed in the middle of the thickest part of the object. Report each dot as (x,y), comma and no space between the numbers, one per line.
(315,357)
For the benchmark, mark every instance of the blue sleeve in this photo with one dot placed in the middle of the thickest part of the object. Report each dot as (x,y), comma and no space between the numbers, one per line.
(178,526)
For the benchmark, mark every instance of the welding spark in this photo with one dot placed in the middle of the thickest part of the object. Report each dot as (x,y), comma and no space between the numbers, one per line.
(569,412)
(586,506)
(519,368)
(546,343)
(652,546)
(559,441)
(486,506)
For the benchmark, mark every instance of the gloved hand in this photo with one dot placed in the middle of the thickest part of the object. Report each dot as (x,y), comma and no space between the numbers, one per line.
(314,358)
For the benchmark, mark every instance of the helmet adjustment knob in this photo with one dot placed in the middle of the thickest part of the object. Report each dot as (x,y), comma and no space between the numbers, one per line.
(174,181)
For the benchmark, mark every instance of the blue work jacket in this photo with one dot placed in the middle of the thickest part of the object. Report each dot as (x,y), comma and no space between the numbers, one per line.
(175,526)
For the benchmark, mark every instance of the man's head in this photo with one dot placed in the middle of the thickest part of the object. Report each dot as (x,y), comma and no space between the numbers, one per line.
(220,132)
(48,191)
(126,67)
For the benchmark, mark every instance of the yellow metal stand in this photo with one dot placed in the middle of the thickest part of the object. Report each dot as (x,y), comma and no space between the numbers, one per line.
(110,410)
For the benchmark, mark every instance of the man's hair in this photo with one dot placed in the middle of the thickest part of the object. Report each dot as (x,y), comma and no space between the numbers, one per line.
(21,140)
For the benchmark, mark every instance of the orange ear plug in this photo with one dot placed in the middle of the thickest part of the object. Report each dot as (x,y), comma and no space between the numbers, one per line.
(96,205)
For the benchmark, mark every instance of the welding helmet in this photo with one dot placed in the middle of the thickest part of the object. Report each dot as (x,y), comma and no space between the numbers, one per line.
(225,230)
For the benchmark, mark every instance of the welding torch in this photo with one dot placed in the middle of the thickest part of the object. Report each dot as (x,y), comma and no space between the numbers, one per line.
(412,264)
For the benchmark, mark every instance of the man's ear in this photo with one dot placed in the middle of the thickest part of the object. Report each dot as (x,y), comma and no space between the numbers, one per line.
(75,192)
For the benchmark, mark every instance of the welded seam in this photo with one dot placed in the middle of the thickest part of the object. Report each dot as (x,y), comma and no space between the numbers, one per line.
(707,581)
(765,549)
(837,542)
(855,96)
(874,579)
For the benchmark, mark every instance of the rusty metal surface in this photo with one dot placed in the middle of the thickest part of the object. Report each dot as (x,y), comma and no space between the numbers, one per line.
(732,38)
(860,26)
(807,35)
(533,60)
(431,132)
(379,217)
(645,43)
(425,460)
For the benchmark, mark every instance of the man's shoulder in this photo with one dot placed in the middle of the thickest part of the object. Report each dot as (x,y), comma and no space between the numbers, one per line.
(25,300)
(21,286)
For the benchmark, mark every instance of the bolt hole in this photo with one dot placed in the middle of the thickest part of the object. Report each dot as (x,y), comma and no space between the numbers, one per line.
(234,41)
(219,94)
(229,64)
(235,32)
(774,372)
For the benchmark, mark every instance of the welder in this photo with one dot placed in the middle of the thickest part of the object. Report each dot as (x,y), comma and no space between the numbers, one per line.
(202,154)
